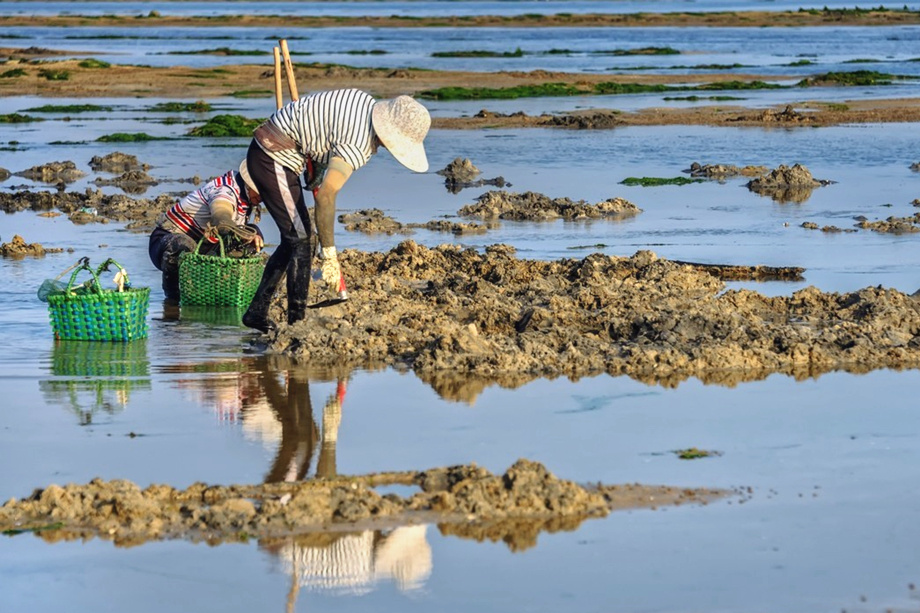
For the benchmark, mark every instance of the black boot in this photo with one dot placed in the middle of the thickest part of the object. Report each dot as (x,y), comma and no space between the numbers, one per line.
(170,267)
(256,316)
(298,280)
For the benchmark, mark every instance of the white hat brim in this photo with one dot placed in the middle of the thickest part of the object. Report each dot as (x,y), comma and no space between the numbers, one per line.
(407,152)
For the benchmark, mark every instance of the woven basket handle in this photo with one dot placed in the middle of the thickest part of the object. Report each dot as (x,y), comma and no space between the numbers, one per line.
(105,266)
(83,264)
(211,232)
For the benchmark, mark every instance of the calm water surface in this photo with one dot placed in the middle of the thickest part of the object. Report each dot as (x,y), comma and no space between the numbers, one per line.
(830,462)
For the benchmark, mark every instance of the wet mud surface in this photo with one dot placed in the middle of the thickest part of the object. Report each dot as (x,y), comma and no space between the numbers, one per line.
(465,500)
(18,248)
(787,184)
(531,206)
(456,316)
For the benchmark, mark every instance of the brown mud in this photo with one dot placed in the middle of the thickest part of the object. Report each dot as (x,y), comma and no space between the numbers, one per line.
(375,221)
(531,206)
(18,248)
(787,184)
(465,500)
(461,174)
(462,320)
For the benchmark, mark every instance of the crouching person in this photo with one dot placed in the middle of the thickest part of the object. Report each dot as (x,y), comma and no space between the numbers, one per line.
(226,202)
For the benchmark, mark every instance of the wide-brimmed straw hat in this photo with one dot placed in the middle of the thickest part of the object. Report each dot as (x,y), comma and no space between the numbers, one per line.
(244,173)
(401,125)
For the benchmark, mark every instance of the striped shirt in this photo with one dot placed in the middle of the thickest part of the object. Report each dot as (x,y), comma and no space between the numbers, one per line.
(325,125)
(191,214)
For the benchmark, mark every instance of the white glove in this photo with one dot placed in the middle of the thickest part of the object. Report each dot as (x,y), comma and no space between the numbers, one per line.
(331,271)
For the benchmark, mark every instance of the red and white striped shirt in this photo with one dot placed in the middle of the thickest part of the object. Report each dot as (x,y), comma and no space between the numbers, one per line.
(193,213)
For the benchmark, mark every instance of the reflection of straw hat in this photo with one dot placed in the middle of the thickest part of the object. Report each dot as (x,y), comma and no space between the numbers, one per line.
(401,125)
(244,172)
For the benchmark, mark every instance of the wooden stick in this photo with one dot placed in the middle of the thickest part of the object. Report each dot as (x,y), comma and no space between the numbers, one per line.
(279,100)
(289,69)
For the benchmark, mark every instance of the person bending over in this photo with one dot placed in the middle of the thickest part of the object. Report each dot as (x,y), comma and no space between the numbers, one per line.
(325,137)
(225,202)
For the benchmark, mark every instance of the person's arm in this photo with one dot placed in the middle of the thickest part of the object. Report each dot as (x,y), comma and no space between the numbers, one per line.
(337,174)
(222,210)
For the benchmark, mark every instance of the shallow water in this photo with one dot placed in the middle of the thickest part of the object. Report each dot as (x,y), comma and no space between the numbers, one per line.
(417,8)
(785,52)
(830,462)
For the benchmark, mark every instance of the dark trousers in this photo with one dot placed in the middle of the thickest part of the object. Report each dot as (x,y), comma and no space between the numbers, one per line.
(283,197)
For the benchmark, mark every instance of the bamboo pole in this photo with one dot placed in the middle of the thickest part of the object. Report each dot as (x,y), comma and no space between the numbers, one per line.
(279,100)
(289,69)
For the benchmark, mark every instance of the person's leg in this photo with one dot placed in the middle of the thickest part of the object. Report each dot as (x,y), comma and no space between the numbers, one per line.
(283,198)
(164,249)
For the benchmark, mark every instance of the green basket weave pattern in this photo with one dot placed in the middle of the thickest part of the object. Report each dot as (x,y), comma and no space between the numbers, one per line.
(91,313)
(212,280)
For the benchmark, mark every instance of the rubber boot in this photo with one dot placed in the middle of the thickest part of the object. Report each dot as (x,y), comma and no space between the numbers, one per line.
(170,267)
(256,316)
(298,280)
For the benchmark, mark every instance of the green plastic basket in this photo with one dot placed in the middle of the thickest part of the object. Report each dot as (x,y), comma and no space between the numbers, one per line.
(218,280)
(88,312)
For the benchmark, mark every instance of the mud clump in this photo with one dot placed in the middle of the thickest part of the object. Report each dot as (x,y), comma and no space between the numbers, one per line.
(19,248)
(131,181)
(372,221)
(453,314)
(531,206)
(724,171)
(810,225)
(53,172)
(461,174)
(128,515)
(787,184)
(893,225)
(375,221)
(4,174)
(117,163)
(90,206)
(585,120)
(461,170)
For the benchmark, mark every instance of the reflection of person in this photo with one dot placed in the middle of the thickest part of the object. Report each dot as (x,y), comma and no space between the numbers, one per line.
(282,414)
(224,202)
(326,137)
(354,562)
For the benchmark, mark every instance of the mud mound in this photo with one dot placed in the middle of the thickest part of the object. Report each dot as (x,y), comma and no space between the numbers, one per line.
(123,512)
(91,205)
(374,221)
(531,206)
(787,184)
(460,175)
(450,312)
(461,170)
(4,174)
(723,171)
(893,225)
(18,248)
(131,181)
(586,120)
(453,227)
(53,172)
(116,163)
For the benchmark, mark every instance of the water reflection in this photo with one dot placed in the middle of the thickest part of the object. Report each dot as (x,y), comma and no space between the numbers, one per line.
(213,315)
(269,397)
(93,377)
